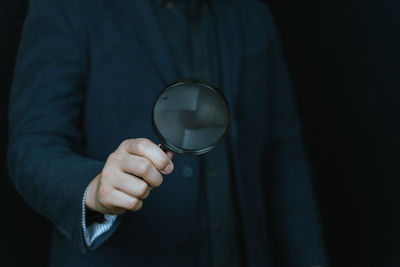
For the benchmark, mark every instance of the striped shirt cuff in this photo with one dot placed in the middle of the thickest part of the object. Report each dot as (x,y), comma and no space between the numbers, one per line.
(92,232)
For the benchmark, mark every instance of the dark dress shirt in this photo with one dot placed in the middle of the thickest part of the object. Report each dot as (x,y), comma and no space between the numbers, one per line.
(190,32)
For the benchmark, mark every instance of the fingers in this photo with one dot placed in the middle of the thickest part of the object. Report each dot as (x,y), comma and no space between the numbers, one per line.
(115,202)
(170,154)
(143,168)
(132,186)
(147,194)
(147,149)
(118,187)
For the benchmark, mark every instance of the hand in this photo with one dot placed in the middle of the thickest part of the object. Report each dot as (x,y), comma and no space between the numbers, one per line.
(128,176)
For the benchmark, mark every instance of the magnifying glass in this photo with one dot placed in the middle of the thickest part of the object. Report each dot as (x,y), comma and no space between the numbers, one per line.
(191,117)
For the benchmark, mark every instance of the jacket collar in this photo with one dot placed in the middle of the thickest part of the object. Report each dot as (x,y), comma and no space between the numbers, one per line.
(138,17)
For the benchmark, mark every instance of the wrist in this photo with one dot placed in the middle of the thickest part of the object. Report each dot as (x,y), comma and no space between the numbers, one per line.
(90,200)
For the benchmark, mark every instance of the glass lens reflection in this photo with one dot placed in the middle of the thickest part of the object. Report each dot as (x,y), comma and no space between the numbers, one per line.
(191,116)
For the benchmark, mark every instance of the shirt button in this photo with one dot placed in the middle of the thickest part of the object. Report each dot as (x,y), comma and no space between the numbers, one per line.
(187,171)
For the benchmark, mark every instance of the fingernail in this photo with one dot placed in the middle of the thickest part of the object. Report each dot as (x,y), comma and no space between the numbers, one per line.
(169,168)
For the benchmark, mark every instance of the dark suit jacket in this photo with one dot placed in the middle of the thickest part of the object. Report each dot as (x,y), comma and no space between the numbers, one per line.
(87,75)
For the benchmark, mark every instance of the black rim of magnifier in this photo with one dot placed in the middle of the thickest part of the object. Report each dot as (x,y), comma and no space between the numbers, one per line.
(170,146)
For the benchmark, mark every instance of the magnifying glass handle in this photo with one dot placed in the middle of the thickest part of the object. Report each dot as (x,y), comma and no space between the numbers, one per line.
(163,148)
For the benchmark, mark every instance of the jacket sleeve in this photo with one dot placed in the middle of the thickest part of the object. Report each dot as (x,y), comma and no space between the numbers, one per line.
(290,198)
(92,231)
(45,158)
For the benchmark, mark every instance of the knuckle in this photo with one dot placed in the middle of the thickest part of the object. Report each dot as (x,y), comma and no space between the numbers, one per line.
(132,203)
(126,143)
(107,172)
(138,205)
(113,157)
(103,192)
(142,144)
(158,182)
(142,188)
(143,167)
(106,202)
(164,161)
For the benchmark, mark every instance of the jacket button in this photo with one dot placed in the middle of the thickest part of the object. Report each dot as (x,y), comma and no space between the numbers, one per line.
(187,172)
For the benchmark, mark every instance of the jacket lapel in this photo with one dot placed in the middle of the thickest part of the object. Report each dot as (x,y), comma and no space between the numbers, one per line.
(229,48)
(250,200)
(138,16)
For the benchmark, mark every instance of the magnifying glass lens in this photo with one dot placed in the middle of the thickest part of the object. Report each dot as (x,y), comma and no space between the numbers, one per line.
(191,117)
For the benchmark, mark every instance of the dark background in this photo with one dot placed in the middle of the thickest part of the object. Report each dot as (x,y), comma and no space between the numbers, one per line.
(344,59)
(25,235)
(345,62)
